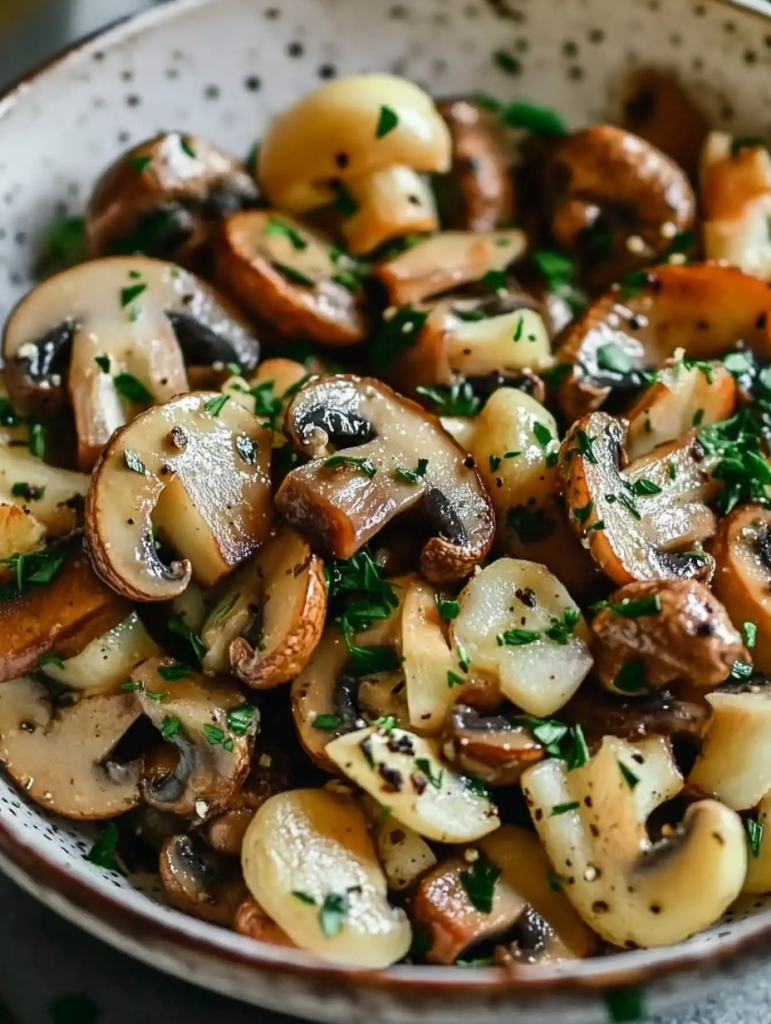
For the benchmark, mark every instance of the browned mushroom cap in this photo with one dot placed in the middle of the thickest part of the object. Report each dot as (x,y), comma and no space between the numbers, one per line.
(291,278)
(490,749)
(114,332)
(742,553)
(63,616)
(703,308)
(640,524)
(404,459)
(656,632)
(269,620)
(199,882)
(252,921)
(603,177)
(471,338)
(164,198)
(211,727)
(656,108)
(200,467)
(451,921)
(477,193)
(60,756)
(445,261)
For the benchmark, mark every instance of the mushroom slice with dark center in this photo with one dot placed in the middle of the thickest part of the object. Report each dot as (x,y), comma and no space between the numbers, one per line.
(123,317)
(62,616)
(210,725)
(446,261)
(199,468)
(405,460)
(477,193)
(60,756)
(742,553)
(451,920)
(658,632)
(631,891)
(603,177)
(199,882)
(498,338)
(291,277)
(164,198)
(270,617)
(640,523)
(489,748)
(704,308)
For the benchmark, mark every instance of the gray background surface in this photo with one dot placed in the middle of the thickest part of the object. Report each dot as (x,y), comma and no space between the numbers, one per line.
(51,973)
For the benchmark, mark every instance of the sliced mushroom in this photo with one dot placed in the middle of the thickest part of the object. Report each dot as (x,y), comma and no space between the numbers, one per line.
(525,869)
(20,534)
(477,193)
(165,197)
(53,495)
(487,342)
(656,108)
(446,261)
(736,196)
(269,619)
(62,617)
(403,460)
(638,717)
(640,523)
(199,882)
(403,771)
(107,661)
(60,756)
(309,861)
(681,395)
(252,921)
(451,922)
(114,331)
(661,631)
(210,725)
(742,553)
(630,891)
(603,177)
(703,308)
(364,138)
(734,765)
(518,623)
(489,748)
(291,277)
(198,467)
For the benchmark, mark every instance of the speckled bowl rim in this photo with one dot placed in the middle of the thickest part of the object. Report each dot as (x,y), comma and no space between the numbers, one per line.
(130,928)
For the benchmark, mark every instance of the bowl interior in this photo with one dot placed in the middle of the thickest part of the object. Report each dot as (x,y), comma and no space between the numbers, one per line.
(222,68)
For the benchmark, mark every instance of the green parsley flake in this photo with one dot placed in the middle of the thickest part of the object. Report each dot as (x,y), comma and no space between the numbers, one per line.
(140,163)
(754,831)
(507,62)
(327,722)
(332,914)
(103,852)
(630,778)
(282,229)
(533,118)
(363,465)
(129,386)
(51,659)
(103,362)
(448,608)
(134,463)
(387,122)
(479,882)
(566,808)
(517,637)
(240,720)
(130,293)
(613,358)
(214,406)
(453,679)
(626,1005)
(294,275)
(170,727)
(750,631)
(631,677)
(27,491)
(38,440)
(424,765)
(186,144)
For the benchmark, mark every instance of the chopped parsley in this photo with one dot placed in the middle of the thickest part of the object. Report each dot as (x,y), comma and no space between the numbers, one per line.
(173,673)
(387,121)
(456,399)
(507,62)
(104,851)
(359,594)
(494,462)
(332,914)
(327,722)
(170,727)
(750,631)
(214,406)
(630,778)
(412,476)
(188,149)
(294,275)
(626,1005)
(130,293)
(562,629)
(448,608)
(217,737)
(134,463)
(371,660)
(644,488)
(582,514)
(27,491)
(629,505)
(531,525)
(103,362)
(453,679)
(631,677)
(533,117)
(585,444)
(363,465)
(397,332)
(741,670)
(612,357)
(479,882)
(632,608)
(496,281)
(240,719)
(304,897)
(30,570)
(276,226)
(517,637)
(565,808)
(140,163)
(754,835)
(178,625)
(51,659)
(344,202)
(38,440)
(424,765)
(129,386)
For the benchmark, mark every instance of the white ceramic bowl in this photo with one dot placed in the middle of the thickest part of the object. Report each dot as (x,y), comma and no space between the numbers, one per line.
(222,68)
